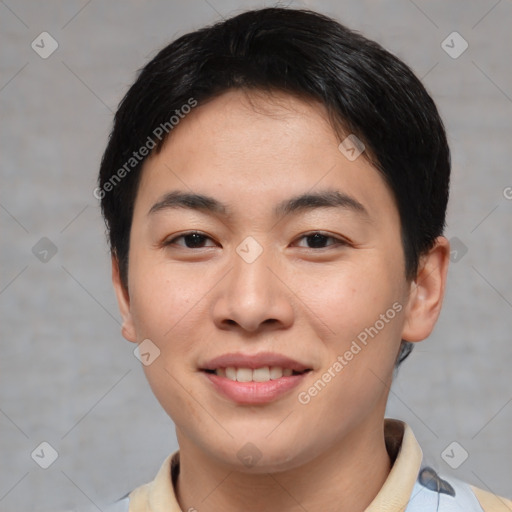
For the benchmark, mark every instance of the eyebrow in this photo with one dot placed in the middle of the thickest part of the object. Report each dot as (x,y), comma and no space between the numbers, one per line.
(329,198)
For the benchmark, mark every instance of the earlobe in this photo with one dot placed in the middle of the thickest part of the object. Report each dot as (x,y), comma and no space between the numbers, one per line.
(426,292)
(123,301)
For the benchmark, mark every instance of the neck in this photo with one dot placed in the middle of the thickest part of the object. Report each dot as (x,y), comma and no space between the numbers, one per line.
(347,478)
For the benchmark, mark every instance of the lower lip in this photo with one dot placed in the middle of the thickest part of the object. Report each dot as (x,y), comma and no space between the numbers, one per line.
(254,392)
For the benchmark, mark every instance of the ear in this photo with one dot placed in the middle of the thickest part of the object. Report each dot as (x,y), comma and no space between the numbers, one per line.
(426,292)
(123,301)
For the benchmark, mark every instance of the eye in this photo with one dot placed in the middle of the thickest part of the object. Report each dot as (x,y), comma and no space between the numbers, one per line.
(197,240)
(318,240)
(193,240)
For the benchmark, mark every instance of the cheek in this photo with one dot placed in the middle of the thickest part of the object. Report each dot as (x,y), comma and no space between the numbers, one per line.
(349,298)
(166,306)
(164,299)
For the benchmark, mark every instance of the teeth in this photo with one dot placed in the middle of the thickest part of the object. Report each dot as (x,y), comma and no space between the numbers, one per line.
(244,375)
(276,372)
(263,374)
(230,373)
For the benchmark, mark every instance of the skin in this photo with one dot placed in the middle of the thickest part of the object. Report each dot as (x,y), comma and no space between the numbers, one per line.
(308,303)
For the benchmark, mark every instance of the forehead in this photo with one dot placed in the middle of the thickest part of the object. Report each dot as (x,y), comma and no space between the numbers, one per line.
(246,148)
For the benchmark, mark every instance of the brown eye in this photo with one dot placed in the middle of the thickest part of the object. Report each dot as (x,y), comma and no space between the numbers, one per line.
(193,240)
(319,240)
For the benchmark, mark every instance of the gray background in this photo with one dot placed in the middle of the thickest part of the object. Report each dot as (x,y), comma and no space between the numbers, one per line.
(67,375)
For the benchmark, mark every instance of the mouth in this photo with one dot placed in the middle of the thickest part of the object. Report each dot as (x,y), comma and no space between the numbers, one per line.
(262,374)
(254,379)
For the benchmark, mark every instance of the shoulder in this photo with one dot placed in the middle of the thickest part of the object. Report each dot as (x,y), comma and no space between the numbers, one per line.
(492,502)
(121,505)
(159,490)
(433,491)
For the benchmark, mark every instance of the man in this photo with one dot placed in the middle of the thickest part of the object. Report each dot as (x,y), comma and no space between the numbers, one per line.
(275,190)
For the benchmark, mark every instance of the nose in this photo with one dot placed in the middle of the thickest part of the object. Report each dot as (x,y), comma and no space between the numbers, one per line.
(253,297)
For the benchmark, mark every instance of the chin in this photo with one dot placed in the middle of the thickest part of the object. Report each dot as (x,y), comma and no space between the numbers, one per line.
(261,456)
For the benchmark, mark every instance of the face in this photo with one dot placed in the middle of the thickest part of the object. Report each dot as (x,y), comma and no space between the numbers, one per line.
(278,300)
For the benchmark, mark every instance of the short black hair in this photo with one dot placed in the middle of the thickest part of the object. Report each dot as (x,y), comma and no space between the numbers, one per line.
(366,90)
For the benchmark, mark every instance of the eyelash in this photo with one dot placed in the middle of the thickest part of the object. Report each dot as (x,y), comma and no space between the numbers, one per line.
(338,241)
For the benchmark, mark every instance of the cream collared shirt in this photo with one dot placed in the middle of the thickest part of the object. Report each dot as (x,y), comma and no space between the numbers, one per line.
(410,486)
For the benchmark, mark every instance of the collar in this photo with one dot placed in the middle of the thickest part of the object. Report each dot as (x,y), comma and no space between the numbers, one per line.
(159,495)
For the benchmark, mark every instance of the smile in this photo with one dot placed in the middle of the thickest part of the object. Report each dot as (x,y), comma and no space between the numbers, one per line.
(253,378)
(263,374)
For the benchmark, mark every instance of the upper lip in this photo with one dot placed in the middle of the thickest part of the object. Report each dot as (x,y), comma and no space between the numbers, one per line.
(239,360)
